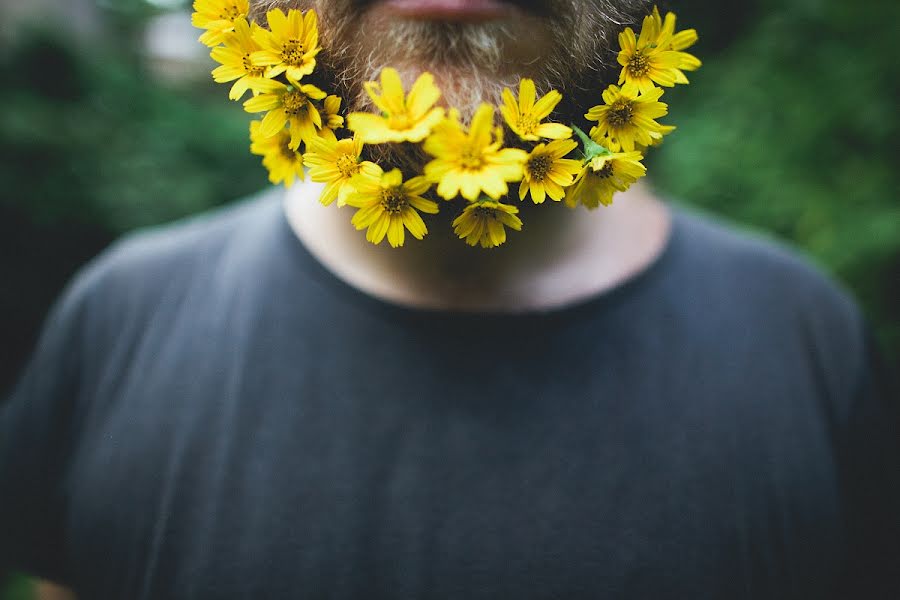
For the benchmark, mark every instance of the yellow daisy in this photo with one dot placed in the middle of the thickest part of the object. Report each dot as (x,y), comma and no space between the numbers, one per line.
(547,172)
(603,176)
(290,45)
(234,57)
(217,17)
(678,41)
(627,117)
(406,118)
(485,223)
(525,115)
(646,60)
(335,163)
(656,137)
(389,206)
(474,162)
(289,104)
(283,163)
(331,119)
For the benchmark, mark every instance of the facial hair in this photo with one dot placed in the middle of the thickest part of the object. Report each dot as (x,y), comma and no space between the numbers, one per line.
(472,62)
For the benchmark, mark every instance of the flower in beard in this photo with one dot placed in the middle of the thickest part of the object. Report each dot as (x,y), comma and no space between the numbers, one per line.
(290,45)
(404,118)
(484,222)
(388,206)
(525,115)
(335,163)
(474,162)
(283,163)
(234,57)
(331,118)
(218,17)
(603,176)
(289,105)
(677,41)
(627,117)
(547,173)
(646,60)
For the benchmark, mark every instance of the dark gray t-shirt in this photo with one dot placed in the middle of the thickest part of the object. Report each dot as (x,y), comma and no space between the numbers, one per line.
(211,414)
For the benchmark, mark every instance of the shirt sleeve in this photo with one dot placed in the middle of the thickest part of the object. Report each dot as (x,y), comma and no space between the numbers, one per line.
(35,434)
(869,463)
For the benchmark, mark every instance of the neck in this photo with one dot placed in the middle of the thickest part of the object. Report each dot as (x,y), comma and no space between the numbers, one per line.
(560,257)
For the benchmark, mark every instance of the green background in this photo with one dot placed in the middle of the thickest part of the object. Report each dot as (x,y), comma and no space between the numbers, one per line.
(789,129)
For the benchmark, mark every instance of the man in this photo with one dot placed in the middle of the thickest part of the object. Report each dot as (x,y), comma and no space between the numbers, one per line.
(631,402)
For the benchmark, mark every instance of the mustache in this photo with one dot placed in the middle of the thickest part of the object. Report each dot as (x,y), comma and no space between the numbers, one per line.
(539,8)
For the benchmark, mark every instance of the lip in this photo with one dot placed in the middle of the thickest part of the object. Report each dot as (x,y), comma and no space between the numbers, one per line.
(449,10)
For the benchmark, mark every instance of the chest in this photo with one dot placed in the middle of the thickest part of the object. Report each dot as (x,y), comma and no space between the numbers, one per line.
(490,482)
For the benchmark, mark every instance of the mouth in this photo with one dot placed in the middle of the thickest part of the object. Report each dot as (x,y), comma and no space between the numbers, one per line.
(469,11)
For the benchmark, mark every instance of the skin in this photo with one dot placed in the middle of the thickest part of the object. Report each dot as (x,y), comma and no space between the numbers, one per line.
(560,259)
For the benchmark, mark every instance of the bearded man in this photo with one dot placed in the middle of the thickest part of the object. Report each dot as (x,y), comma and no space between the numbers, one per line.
(632,402)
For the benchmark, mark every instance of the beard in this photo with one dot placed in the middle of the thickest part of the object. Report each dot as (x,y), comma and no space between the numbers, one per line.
(567,45)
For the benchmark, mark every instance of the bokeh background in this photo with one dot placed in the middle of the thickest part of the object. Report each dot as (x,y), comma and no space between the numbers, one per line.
(109,121)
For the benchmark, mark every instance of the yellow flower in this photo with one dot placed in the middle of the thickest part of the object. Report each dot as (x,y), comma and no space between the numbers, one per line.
(331,120)
(291,46)
(388,206)
(474,162)
(678,41)
(547,172)
(647,60)
(335,163)
(283,163)
(217,17)
(524,117)
(234,57)
(406,118)
(289,104)
(627,117)
(603,176)
(485,223)
(656,138)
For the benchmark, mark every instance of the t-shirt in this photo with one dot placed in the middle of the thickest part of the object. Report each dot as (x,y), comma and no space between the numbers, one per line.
(211,414)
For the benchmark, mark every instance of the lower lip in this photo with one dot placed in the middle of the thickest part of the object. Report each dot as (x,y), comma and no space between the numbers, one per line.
(448,10)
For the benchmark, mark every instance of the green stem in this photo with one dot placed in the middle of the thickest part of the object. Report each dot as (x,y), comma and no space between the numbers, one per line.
(591,148)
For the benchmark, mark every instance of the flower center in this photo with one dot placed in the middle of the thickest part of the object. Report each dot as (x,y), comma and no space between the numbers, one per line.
(230,13)
(292,53)
(400,121)
(606,171)
(294,102)
(393,200)
(251,69)
(620,113)
(286,151)
(638,65)
(347,165)
(484,213)
(526,124)
(539,166)
(471,160)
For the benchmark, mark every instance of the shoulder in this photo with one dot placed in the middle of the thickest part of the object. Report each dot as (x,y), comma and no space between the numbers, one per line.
(755,287)
(158,258)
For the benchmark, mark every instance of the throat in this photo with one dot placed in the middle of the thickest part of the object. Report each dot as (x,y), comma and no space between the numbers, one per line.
(560,257)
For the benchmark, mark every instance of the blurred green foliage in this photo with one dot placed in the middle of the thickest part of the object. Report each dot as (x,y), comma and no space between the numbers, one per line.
(102,142)
(791,127)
